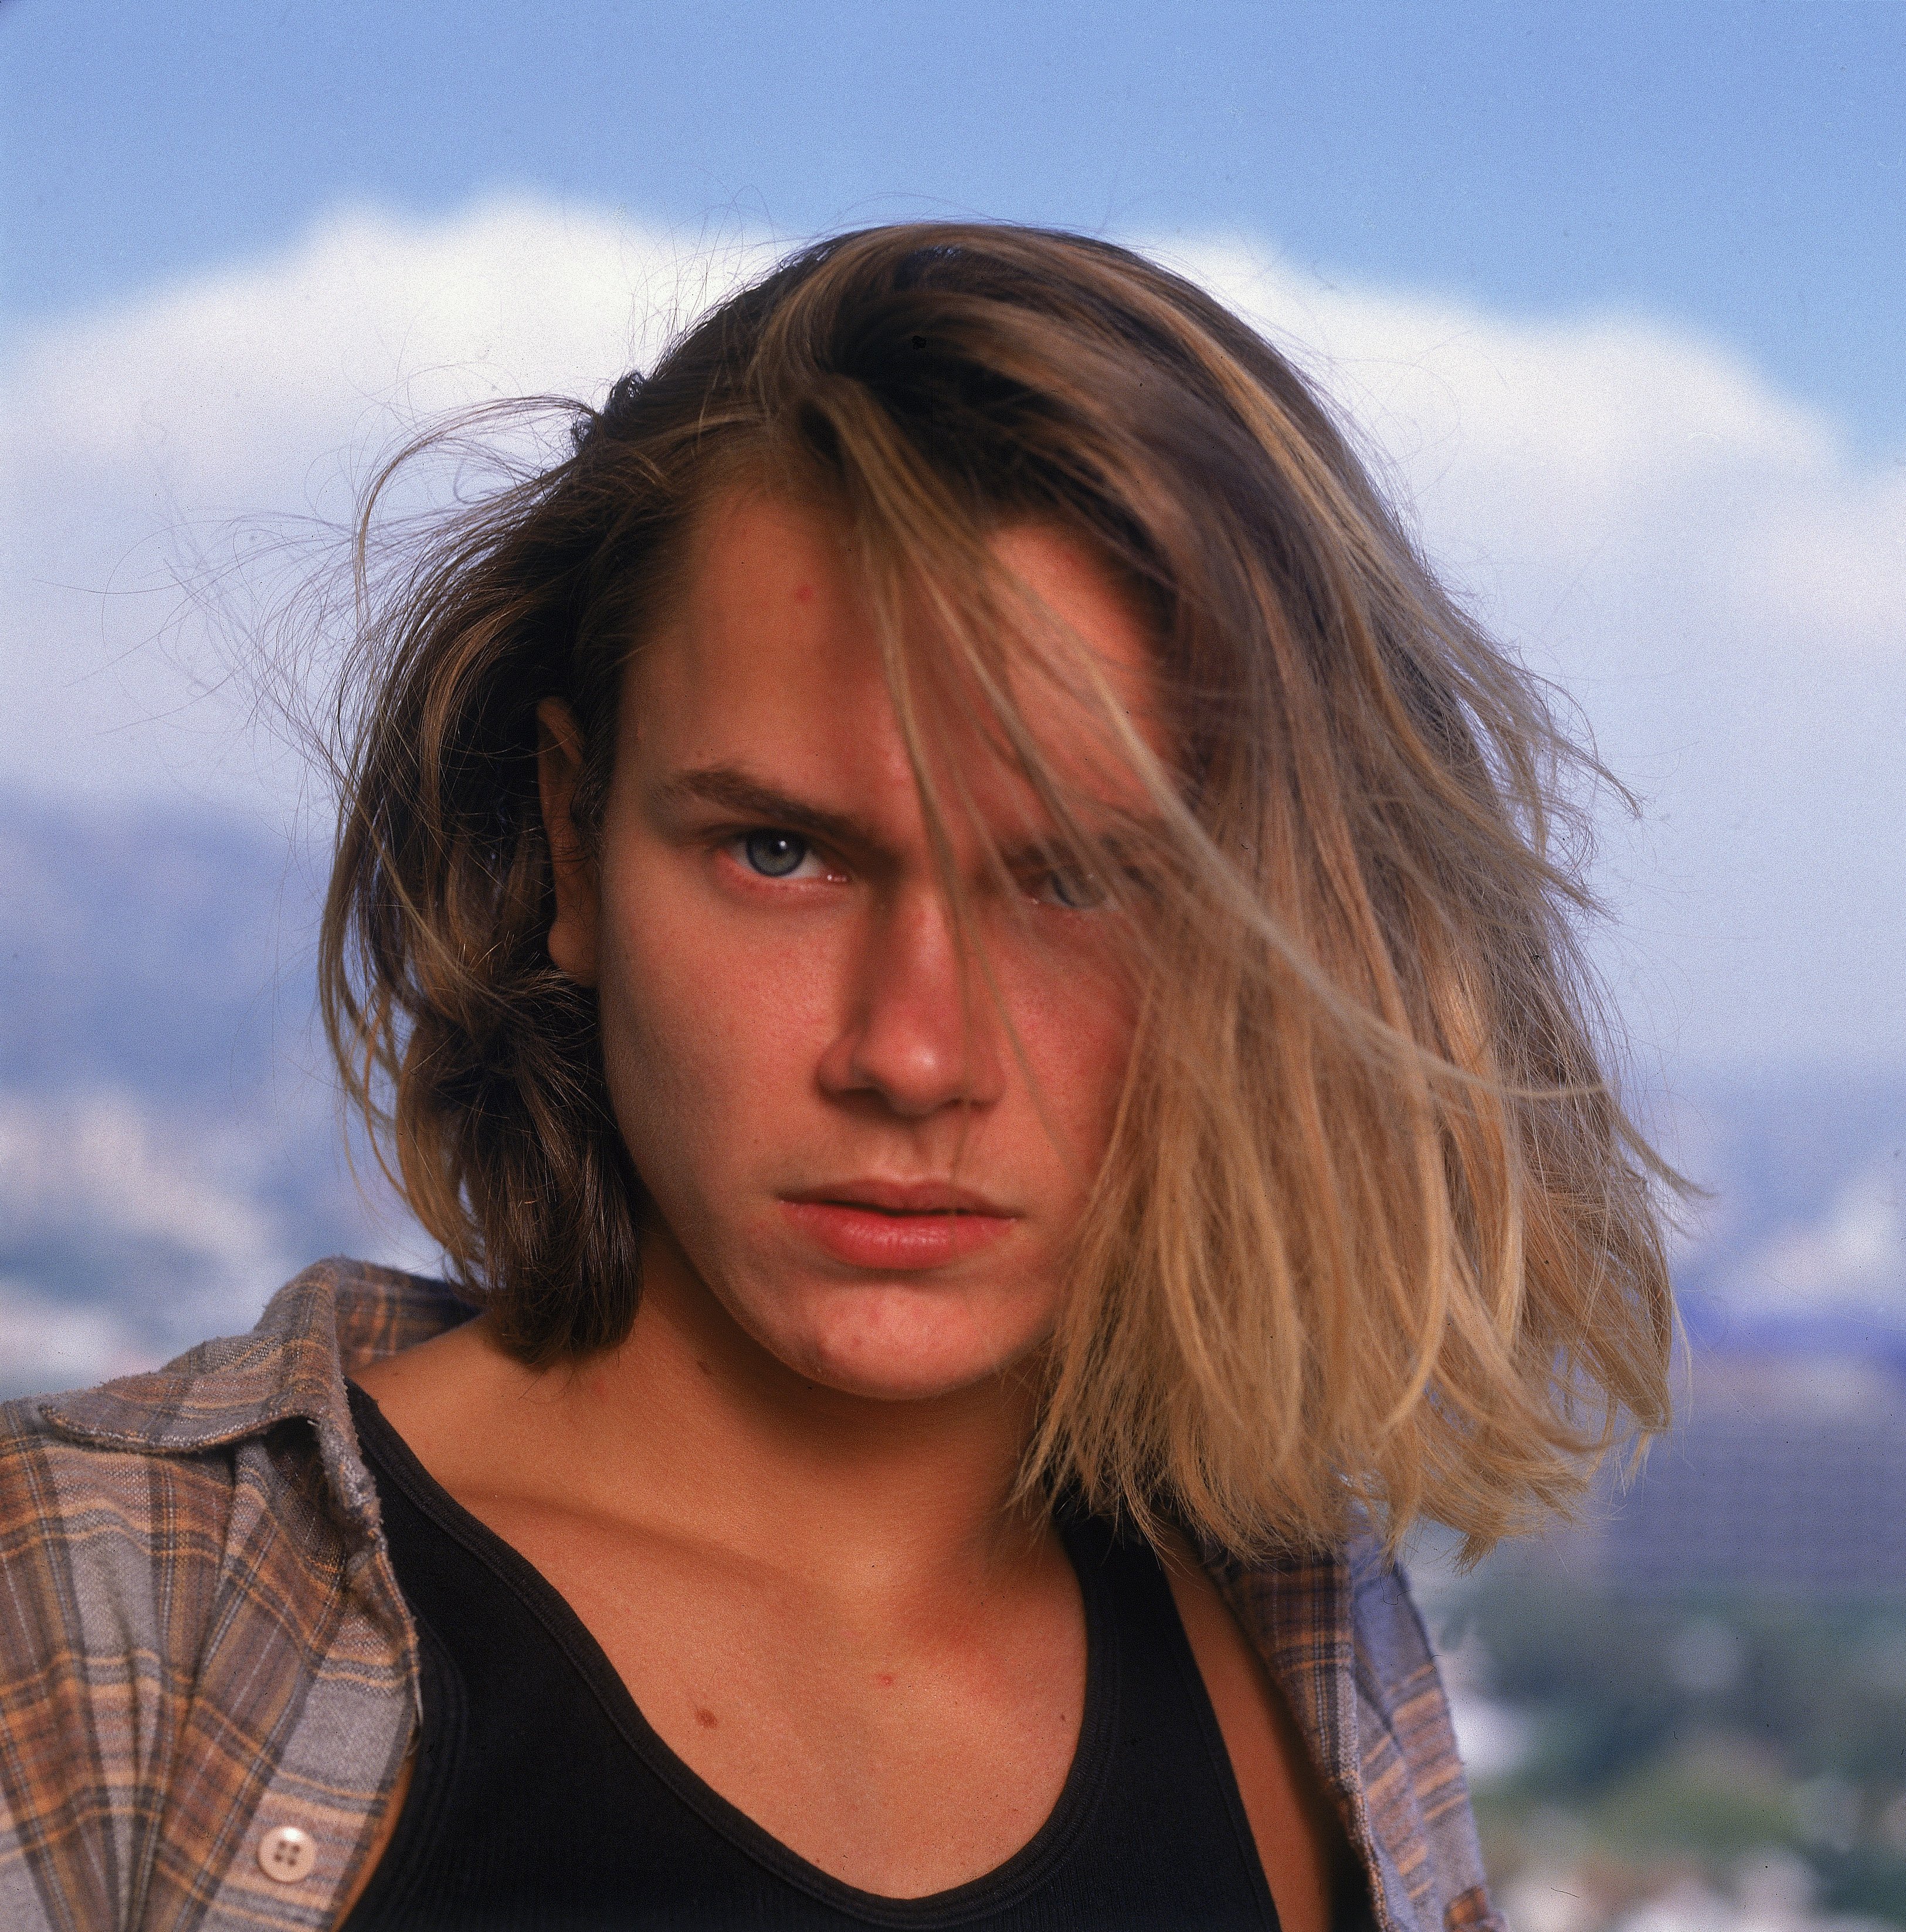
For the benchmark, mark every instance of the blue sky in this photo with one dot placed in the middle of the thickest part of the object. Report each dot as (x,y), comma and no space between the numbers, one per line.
(1738,168)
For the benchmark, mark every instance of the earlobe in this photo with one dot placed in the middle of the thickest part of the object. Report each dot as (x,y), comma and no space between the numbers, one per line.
(558,766)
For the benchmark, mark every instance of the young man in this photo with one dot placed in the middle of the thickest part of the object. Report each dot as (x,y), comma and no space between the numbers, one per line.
(954,938)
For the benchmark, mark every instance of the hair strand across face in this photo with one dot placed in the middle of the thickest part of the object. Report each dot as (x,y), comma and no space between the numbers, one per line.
(1374,1238)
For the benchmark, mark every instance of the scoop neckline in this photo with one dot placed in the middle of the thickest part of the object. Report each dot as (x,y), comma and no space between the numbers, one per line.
(1008,1882)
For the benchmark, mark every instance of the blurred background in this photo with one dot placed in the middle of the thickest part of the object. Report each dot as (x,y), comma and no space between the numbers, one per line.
(1612,296)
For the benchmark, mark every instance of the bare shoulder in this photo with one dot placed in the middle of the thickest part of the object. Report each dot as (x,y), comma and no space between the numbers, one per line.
(467,1410)
(443,1378)
(445,1369)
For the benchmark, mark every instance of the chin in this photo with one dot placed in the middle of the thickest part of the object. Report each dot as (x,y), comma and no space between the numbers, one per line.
(890,1343)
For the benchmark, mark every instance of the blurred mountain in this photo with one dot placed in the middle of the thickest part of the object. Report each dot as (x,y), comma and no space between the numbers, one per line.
(169,1149)
(161,953)
(169,1144)
(1801,1247)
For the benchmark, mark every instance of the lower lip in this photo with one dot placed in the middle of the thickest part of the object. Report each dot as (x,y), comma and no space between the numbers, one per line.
(865,1238)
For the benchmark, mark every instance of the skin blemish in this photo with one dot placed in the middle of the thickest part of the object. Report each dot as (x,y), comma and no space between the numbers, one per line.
(804,593)
(885,1679)
(705,1717)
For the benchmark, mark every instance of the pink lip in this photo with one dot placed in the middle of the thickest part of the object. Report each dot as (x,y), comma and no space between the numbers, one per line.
(892,1224)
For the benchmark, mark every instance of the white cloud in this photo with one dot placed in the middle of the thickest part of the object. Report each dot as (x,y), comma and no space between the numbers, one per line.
(98,1191)
(1703,561)
(1719,582)
(99,1157)
(104,1168)
(47,1345)
(1853,1259)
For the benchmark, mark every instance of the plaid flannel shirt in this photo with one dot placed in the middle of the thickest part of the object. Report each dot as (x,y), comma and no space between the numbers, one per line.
(201,1642)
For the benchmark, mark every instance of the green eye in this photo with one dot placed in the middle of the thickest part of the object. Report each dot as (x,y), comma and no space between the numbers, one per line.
(775,855)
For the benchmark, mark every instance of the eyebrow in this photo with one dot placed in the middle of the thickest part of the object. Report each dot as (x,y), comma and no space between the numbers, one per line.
(732,789)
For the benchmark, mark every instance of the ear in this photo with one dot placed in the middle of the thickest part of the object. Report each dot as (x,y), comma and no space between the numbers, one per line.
(578,890)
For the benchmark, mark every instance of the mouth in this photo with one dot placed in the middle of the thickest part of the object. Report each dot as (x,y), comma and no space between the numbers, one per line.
(890,1225)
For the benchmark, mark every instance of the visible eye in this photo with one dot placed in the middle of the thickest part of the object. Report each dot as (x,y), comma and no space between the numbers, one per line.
(775,855)
(1069,890)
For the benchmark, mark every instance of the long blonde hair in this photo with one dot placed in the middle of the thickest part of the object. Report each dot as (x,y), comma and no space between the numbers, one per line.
(1374,1239)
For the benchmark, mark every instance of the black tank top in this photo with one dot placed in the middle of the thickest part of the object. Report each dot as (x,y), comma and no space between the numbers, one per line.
(542,1799)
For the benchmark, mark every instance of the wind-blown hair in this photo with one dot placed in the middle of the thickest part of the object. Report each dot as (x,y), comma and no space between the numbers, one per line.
(1373,1237)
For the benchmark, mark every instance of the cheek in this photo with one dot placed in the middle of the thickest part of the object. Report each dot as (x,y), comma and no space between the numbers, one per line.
(1077,1027)
(705,1038)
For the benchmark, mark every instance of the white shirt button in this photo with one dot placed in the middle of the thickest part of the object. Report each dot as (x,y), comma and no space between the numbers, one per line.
(286,1854)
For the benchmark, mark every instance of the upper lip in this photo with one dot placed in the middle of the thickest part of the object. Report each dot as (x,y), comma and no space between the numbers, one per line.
(902,1197)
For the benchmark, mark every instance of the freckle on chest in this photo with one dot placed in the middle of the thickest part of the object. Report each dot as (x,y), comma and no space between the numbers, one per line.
(705,1717)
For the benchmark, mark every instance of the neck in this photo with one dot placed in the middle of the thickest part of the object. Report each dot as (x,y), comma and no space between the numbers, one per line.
(692,1428)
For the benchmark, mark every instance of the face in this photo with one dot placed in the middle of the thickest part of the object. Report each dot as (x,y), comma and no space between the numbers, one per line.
(845,1150)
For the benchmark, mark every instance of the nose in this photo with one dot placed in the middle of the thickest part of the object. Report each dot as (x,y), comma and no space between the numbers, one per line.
(918,1033)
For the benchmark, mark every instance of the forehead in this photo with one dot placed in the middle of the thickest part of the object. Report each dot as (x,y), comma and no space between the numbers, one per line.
(771,660)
